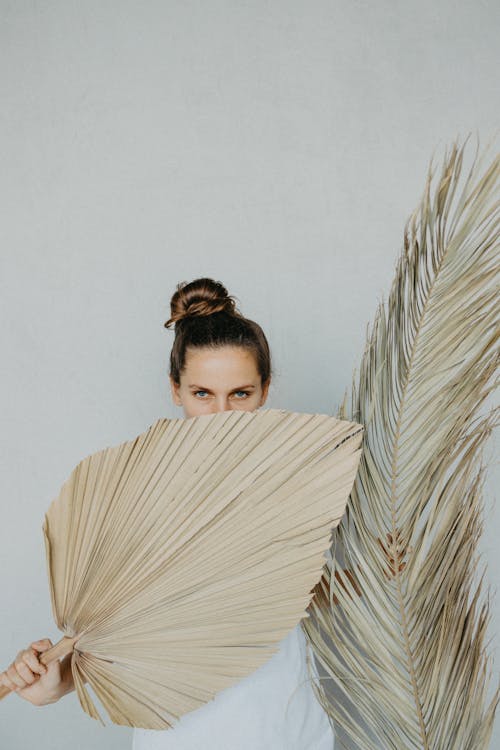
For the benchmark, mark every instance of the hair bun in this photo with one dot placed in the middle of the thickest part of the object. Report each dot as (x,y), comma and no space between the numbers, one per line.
(200,297)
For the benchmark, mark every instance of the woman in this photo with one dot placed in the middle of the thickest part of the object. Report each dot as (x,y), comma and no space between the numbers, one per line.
(220,360)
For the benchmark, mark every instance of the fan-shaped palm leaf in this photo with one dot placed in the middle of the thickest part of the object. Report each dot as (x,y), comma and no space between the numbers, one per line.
(179,560)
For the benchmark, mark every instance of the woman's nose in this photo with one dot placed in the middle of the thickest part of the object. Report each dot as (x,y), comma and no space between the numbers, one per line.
(222,404)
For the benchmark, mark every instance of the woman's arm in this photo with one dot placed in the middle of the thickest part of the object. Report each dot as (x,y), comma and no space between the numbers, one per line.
(35,682)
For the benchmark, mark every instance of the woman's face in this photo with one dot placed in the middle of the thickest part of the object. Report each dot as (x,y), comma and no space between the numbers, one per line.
(218,380)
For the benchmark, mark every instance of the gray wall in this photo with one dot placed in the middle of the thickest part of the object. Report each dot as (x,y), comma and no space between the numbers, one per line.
(277,146)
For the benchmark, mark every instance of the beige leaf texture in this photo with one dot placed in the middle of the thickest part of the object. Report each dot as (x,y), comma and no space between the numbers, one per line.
(179,560)
(398,622)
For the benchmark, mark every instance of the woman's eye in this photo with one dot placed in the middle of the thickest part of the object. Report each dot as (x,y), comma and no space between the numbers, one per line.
(245,394)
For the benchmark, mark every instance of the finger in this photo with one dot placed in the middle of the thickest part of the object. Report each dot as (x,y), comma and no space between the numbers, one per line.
(43,645)
(15,677)
(4,680)
(25,672)
(31,659)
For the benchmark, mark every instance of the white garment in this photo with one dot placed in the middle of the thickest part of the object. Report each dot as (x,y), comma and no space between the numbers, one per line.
(273,708)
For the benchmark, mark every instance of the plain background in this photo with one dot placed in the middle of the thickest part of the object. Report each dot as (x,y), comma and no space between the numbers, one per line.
(276,146)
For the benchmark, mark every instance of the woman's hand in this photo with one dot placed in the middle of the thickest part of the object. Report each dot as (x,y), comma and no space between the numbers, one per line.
(35,682)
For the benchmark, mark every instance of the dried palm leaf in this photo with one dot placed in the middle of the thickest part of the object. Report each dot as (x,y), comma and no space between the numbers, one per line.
(402,643)
(179,560)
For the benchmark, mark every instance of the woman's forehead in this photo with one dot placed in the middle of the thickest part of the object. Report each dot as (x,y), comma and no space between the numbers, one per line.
(223,362)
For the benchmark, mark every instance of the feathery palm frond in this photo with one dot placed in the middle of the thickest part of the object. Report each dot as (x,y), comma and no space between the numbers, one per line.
(404,644)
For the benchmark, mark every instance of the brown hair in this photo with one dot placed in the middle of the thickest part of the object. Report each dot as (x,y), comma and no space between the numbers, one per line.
(205,315)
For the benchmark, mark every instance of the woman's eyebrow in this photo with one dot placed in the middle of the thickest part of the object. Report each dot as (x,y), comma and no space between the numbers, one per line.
(202,387)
